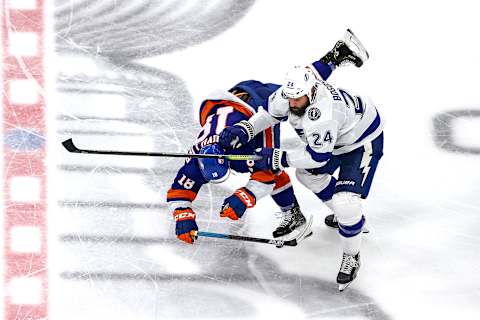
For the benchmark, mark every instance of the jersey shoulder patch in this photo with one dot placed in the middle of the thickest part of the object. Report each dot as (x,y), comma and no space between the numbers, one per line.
(314,113)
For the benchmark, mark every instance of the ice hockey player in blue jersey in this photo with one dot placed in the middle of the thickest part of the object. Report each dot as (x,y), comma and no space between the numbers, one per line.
(225,109)
(340,130)
(221,109)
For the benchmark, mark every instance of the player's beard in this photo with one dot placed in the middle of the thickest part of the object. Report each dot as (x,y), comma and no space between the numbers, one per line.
(298,111)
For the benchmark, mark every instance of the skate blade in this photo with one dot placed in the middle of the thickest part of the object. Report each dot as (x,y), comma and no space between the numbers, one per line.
(350,39)
(343,286)
(300,233)
(307,230)
(294,233)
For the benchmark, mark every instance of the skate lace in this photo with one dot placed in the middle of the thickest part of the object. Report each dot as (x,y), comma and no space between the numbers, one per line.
(342,50)
(348,263)
(287,218)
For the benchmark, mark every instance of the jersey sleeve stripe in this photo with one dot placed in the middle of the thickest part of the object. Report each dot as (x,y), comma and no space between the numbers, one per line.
(178,194)
(373,126)
(319,156)
(268,138)
(263,176)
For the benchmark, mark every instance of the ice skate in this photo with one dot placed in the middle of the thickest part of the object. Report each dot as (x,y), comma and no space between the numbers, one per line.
(331,221)
(347,51)
(291,220)
(348,270)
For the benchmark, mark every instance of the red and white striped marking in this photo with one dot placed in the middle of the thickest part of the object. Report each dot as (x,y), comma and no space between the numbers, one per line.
(24,155)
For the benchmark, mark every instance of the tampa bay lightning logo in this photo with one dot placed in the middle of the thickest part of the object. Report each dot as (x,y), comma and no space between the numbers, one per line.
(314,114)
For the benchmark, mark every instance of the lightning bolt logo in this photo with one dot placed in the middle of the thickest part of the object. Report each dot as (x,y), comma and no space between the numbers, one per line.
(365,163)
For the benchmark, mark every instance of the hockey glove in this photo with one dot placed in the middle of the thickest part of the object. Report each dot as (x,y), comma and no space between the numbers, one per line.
(272,159)
(234,206)
(185,224)
(236,136)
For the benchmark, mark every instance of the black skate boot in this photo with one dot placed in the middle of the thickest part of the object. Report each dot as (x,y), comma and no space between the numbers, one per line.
(348,270)
(347,51)
(291,220)
(331,221)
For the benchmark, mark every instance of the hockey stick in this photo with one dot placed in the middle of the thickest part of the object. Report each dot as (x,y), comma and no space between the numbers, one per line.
(70,146)
(306,232)
(278,243)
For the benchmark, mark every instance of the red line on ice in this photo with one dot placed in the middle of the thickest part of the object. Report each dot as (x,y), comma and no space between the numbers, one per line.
(22,122)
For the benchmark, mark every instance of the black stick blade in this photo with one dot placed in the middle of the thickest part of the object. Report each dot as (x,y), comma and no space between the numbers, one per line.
(68,144)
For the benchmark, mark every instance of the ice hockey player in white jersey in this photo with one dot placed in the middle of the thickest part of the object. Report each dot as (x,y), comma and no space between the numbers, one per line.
(340,130)
(226,108)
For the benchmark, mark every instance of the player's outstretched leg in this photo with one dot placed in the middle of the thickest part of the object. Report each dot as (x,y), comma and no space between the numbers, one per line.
(348,270)
(291,220)
(347,51)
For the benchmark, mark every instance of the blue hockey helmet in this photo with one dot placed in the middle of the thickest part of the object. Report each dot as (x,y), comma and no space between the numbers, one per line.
(214,170)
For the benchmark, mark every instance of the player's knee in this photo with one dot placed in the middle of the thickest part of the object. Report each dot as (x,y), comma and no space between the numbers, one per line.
(327,192)
(347,207)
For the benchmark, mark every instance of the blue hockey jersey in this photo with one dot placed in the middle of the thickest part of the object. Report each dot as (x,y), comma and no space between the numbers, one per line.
(219,110)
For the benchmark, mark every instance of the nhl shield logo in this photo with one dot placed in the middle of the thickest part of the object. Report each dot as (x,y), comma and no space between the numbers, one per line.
(314,114)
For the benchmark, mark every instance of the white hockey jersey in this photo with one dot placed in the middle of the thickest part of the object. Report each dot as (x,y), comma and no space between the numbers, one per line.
(336,122)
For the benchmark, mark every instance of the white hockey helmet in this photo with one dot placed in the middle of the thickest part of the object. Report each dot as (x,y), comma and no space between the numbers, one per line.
(299,81)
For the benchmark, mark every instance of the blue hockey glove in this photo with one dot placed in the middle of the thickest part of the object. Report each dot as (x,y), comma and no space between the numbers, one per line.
(236,136)
(272,159)
(185,224)
(234,206)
